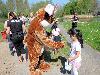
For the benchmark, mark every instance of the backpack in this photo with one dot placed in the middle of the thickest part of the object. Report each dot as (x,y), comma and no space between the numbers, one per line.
(17,35)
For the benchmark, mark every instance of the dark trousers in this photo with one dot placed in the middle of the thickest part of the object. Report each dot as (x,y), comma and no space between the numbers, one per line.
(74,24)
(19,48)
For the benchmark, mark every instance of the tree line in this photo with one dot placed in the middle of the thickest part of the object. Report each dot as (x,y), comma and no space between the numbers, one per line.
(79,6)
(20,6)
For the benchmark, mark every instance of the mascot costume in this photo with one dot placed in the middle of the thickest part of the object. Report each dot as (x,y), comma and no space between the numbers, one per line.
(36,39)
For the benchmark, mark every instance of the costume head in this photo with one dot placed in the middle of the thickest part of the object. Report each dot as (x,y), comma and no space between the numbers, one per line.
(46,15)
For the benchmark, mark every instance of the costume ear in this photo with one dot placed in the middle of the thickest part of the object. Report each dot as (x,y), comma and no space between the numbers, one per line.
(50,9)
(40,13)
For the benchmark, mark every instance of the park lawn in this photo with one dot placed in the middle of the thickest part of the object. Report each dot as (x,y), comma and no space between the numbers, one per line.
(1,29)
(90,30)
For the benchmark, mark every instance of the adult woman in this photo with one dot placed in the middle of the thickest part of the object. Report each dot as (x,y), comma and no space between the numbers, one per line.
(17,28)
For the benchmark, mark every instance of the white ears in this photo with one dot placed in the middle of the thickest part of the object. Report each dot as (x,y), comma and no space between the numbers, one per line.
(50,9)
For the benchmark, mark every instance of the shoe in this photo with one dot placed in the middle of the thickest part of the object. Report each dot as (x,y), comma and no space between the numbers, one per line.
(13,53)
(82,46)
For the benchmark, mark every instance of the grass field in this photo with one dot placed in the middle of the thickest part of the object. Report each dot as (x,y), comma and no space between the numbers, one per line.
(90,30)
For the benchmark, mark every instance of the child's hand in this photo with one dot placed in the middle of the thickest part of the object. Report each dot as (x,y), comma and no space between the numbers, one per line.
(70,59)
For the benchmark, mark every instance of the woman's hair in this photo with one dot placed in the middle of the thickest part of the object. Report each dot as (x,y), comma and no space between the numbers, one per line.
(75,32)
(13,15)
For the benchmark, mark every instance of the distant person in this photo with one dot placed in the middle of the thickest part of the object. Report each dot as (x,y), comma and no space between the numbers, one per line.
(56,34)
(27,20)
(17,28)
(11,45)
(74,20)
(31,17)
(24,20)
(22,17)
(75,53)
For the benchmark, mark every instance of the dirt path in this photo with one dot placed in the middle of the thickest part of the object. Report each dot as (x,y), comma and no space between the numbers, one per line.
(90,58)
(9,64)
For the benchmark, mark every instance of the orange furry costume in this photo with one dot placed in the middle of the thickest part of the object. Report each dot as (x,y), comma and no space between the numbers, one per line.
(36,40)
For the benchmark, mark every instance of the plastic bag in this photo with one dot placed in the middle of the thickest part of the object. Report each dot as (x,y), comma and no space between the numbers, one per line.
(68,66)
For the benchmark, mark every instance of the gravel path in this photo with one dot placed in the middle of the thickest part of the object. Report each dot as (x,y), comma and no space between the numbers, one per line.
(9,64)
(90,58)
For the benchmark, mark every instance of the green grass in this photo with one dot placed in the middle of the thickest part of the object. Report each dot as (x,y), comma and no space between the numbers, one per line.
(90,30)
(63,51)
(1,28)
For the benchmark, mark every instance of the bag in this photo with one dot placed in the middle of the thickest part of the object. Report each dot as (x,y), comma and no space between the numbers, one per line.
(57,38)
(68,66)
(17,37)
(4,35)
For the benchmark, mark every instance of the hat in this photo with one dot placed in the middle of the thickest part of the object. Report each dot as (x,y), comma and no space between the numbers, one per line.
(50,9)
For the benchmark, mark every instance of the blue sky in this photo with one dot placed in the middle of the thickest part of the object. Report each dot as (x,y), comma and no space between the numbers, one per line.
(61,2)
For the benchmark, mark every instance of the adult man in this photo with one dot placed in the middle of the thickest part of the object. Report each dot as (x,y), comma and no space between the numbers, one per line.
(36,39)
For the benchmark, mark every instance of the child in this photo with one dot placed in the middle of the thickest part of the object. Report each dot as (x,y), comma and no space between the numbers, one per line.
(75,53)
(56,35)
(75,20)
